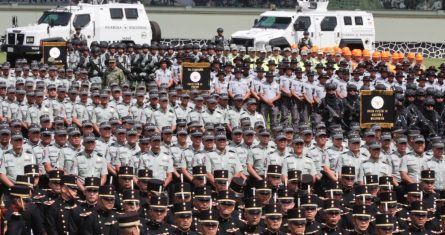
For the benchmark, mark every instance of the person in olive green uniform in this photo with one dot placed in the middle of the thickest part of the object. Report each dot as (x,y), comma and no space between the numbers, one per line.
(113,74)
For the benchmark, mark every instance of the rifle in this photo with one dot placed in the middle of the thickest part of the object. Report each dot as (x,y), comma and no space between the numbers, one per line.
(95,67)
(126,71)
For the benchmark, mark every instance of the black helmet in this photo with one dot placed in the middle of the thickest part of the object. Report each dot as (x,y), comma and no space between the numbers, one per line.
(330,86)
(103,44)
(130,44)
(94,44)
(145,45)
(429,101)
(220,30)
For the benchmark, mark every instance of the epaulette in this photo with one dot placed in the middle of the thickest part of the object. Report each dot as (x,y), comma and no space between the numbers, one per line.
(85,214)
(48,203)
(232,151)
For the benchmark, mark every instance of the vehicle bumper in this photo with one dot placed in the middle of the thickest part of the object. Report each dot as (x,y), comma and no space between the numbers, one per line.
(21,49)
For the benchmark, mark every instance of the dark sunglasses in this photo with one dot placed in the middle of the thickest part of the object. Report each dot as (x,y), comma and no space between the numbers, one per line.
(310,208)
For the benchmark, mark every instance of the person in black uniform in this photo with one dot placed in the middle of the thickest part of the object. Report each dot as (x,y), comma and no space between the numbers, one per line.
(293,178)
(419,218)
(427,178)
(388,205)
(202,200)
(219,38)
(55,188)
(88,206)
(310,206)
(297,221)
(384,224)
(273,219)
(208,223)
(131,201)
(22,216)
(360,219)
(125,178)
(59,217)
(263,191)
(253,224)
(331,215)
(104,219)
(347,182)
(228,221)
(331,108)
(183,219)
(286,201)
(143,176)
(156,215)
(129,224)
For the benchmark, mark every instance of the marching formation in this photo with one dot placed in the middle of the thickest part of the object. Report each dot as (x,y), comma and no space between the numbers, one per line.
(114,144)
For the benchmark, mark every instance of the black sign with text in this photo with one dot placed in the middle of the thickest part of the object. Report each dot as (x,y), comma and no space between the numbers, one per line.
(54,53)
(377,107)
(196,76)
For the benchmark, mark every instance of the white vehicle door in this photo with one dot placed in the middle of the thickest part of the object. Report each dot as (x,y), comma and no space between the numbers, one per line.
(328,31)
(86,22)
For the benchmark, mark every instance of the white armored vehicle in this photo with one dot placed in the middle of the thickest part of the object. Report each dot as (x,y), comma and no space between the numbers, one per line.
(110,22)
(354,29)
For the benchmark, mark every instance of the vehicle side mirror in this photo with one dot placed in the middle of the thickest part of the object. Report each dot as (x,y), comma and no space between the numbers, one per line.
(51,23)
(255,21)
(295,26)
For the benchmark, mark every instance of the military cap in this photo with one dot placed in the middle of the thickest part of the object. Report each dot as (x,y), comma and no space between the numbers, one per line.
(309,200)
(438,145)
(112,60)
(385,182)
(44,117)
(199,170)
(253,204)
(306,181)
(155,137)
(280,136)
(274,170)
(387,197)
(221,174)
(427,175)
(262,185)
(159,201)
(149,127)
(69,180)
(55,175)
(237,185)
(331,205)
(20,191)
(375,145)
(89,138)
(92,182)
(284,193)
(272,209)
(249,131)
(25,180)
(371,180)
(226,195)
(221,136)
(182,208)
(205,191)
(294,175)
(208,136)
(384,220)
(418,207)
(17,136)
(181,131)
(128,220)
(145,174)
(72,132)
(31,169)
(208,216)
(264,132)
(238,97)
(5,130)
(107,191)
(361,210)
(182,188)
(362,190)
(295,215)
(354,139)
(130,195)
(105,125)
(333,186)
(418,139)
(125,171)
(155,185)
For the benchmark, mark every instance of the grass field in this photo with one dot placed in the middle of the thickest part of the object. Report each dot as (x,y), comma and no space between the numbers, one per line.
(428,62)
